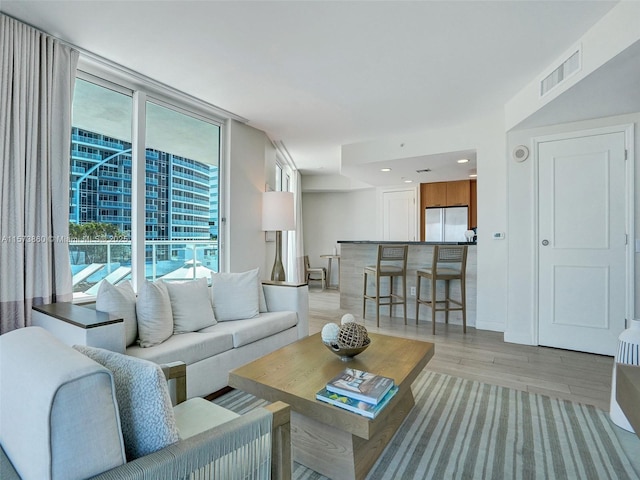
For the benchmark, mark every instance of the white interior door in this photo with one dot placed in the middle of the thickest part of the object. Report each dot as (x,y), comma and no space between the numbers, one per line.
(399,216)
(582,242)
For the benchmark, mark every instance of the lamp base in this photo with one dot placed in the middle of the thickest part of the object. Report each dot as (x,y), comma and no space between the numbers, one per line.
(277,274)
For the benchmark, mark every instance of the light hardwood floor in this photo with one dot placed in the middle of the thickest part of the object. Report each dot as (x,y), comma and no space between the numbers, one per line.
(484,356)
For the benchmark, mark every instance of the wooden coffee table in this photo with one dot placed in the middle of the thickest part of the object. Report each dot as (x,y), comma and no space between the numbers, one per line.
(325,438)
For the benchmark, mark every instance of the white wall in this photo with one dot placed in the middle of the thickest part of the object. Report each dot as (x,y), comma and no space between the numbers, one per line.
(334,183)
(522,243)
(329,217)
(250,155)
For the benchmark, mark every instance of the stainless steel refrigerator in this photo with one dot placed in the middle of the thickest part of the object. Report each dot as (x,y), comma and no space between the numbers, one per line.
(446,224)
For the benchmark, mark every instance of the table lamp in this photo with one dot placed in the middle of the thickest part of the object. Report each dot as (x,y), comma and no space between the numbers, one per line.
(277,215)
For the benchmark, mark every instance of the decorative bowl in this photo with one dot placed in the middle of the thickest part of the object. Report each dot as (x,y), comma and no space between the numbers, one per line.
(346,354)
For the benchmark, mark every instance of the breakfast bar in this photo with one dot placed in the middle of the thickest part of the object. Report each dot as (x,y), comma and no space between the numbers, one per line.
(355,255)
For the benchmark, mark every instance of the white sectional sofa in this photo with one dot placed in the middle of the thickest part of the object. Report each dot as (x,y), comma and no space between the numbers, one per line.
(209,353)
(212,352)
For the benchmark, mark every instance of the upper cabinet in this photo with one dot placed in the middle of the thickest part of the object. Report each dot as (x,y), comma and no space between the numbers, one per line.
(446,194)
(458,193)
(434,194)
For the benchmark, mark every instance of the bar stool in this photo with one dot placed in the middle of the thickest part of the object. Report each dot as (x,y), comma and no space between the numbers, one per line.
(391,262)
(449,263)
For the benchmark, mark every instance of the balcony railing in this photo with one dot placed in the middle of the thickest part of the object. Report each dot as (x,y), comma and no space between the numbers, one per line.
(114,190)
(112,204)
(80,154)
(195,201)
(94,261)
(199,190)
(116,175)
(204,169)
(95,141)
(194,178)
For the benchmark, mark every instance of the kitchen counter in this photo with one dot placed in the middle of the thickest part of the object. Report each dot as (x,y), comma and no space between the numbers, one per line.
(385,242)
(355,255)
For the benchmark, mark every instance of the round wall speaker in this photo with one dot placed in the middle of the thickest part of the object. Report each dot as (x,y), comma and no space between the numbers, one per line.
(520,153)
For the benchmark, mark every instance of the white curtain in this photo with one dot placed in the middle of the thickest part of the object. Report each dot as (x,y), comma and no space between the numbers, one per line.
(295,254)
(37,75)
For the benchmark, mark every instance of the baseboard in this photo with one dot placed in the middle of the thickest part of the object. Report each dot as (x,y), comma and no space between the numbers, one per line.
(492,326)
(520,338)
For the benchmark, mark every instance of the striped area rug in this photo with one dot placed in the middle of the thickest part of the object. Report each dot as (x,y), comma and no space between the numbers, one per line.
(462,429)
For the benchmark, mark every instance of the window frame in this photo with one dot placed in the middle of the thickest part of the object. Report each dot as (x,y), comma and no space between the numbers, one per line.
(141,90)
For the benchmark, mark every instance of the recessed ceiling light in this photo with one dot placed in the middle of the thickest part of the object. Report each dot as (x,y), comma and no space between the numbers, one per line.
(473,175)
(463,160)
(385,169)
(408,181)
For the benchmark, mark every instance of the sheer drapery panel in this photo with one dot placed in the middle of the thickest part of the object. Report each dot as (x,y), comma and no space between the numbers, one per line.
(36,84)
(296,269)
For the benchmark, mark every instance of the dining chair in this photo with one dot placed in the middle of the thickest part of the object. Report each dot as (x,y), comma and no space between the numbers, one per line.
(312,273)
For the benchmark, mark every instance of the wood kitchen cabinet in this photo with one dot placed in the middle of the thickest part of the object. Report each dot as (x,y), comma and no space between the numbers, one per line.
(446,194)
(434,194)
(473,206)
(458,193)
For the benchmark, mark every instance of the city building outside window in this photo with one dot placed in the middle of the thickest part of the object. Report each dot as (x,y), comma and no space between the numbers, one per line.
(181,196)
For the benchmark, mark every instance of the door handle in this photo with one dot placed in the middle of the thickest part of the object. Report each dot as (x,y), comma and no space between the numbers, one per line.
(545,243)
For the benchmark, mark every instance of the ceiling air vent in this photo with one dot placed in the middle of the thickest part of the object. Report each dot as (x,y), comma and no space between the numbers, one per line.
(424,170)
(567,68)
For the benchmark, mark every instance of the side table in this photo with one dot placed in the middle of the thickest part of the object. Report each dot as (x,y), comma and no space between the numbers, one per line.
(73,325)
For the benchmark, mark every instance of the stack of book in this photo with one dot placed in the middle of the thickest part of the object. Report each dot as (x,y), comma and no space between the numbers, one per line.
(360,392)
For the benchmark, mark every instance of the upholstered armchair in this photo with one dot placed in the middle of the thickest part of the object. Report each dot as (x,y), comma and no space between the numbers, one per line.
(90,413)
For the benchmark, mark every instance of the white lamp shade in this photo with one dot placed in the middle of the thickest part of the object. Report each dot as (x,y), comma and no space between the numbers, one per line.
(277,211)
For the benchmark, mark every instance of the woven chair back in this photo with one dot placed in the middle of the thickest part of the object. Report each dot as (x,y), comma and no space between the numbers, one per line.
(451,255)
(392,252)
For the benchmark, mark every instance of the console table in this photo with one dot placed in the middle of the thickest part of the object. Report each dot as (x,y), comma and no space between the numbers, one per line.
(76,325)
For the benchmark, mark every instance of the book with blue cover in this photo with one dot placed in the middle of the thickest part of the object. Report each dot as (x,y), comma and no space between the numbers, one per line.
(360,385)
(353,405)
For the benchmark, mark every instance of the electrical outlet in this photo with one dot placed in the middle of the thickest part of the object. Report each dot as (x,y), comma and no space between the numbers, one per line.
(413,291)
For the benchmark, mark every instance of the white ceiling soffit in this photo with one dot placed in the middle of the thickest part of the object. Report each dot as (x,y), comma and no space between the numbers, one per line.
(318,75)
(439,167)
(613,89)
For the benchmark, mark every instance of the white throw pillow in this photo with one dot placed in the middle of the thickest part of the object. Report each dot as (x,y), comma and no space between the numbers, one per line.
(146,414)
(153,309)
(235,296)
(190,305)
(120,300)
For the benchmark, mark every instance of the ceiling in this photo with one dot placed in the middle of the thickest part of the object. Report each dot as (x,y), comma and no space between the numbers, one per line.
(316,75)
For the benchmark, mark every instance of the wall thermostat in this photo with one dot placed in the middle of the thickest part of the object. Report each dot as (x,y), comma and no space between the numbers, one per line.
(498,235)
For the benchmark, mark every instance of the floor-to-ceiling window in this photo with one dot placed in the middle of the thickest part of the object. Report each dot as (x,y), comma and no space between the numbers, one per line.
(181,193)
(180,172)
(100,196)
(283,184)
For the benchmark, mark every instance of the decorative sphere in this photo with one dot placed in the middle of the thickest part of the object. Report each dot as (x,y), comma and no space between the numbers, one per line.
(347,318)
(352,335)
(330,333)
